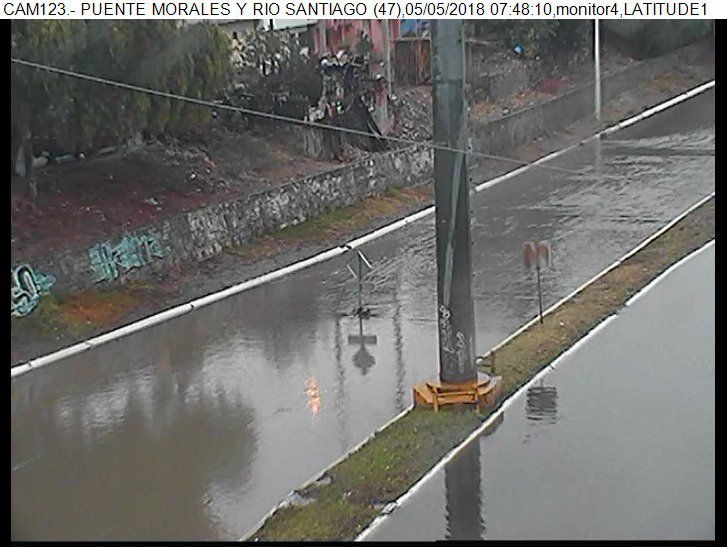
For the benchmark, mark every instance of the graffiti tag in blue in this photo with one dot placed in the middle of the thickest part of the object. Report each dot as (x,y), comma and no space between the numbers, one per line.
(26,288)
(109,261)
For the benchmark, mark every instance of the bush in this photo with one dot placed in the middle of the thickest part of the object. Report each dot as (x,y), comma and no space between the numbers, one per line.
(274,76)
(536,36)
(80,115)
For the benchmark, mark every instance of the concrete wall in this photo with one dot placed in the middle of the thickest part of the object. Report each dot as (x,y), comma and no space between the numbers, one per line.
(200,234)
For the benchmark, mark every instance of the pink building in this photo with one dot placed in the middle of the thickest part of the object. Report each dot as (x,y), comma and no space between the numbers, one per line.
(331,35)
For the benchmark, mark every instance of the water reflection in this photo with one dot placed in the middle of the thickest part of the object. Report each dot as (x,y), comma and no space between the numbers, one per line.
(398,349)
(339,401)
(286,330)
(314,397)
(463,483)
(464,506)
(541,403)
(362,359)
(142,454)
(108,477)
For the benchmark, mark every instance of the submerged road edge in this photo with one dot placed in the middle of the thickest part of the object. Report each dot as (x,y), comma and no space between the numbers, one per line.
(648,251)
(38,362)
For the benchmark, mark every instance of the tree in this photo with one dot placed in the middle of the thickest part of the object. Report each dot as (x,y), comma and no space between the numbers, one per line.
(80,115)
(536,36)
(275,74)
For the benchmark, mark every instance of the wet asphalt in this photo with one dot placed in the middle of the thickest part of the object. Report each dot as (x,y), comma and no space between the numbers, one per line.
(616,443)
(196,428)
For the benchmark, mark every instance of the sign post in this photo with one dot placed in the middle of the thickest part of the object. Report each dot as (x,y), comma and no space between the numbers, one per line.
(359,267)
(533,256)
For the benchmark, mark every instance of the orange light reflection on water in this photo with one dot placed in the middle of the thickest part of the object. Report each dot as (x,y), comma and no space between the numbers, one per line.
(314,399)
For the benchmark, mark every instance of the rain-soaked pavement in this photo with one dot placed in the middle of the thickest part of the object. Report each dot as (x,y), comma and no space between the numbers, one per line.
(197,427)
(616,443)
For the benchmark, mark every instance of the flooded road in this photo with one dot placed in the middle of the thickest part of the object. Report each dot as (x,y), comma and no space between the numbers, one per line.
(616,443)
(196,428)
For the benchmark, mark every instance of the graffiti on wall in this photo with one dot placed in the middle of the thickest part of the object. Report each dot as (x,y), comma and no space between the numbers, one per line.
(446,337)
(109,261)
(26,288)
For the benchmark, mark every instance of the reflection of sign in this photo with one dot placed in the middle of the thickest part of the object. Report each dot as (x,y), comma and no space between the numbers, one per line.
(109,261)
(541,403)
(359,266)
(362,359)
(26,288)
(363,339)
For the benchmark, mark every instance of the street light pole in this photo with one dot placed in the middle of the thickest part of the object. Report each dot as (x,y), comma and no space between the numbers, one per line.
(597,63)
(387,49)
(455,310)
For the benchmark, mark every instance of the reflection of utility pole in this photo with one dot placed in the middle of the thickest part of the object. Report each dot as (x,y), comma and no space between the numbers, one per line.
(463,484)
(455,309)
(398,343)
(340,400)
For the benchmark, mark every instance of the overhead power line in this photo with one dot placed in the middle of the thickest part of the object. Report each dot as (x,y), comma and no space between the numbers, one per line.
(276,117)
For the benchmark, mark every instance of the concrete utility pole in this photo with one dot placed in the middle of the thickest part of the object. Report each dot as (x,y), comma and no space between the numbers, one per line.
(455,310)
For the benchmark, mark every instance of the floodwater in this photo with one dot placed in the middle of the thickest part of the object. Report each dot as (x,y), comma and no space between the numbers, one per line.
(196,428)
(617,442)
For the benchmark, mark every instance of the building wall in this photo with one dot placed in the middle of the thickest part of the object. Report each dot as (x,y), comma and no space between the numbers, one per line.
(340,32)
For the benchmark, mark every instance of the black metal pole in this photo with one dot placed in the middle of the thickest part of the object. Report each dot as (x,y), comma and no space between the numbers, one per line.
(540,294)
(360,288)
(455,310)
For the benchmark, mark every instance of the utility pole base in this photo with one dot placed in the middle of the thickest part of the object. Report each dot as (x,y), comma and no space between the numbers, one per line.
(482,392)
